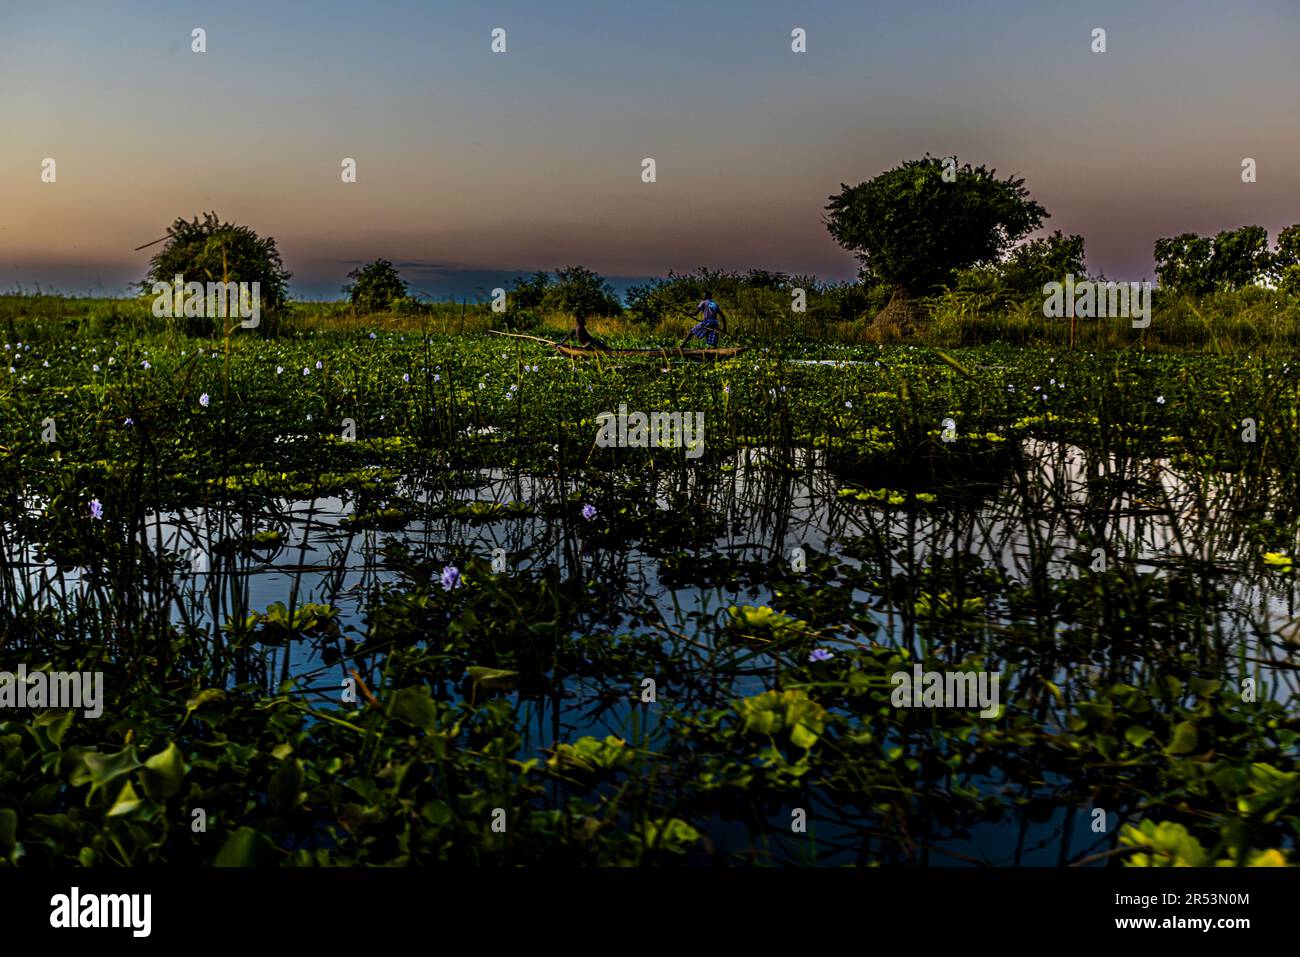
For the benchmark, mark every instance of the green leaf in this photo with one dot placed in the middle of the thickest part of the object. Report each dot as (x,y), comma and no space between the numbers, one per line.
(416,707)
(246,848)
(492,678)
(127,801)
(55,724)
(803,736)
(203,697)
(285,790)
(101,769)
(163,773)
(1184,741)
(8,830)
(1137,735)
(437,812)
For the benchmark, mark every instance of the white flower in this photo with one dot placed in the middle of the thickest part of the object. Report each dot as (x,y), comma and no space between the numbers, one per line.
(1160,400)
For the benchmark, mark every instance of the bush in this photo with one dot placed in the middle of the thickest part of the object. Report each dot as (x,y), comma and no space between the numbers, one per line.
(376,287)
(212,251)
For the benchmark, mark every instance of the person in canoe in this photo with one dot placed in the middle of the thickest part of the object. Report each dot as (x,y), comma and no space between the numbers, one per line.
(581,337)
(711,320)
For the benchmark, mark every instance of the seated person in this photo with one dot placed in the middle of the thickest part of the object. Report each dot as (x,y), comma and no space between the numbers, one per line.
(582,337)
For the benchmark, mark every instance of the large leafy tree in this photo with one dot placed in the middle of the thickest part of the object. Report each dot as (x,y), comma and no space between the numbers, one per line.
(915,225)
(1192,264)
(1183,263)
(579,290)
(1241,257)
(209,250)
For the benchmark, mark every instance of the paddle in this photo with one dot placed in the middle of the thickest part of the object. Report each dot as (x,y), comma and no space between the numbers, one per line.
(520,335)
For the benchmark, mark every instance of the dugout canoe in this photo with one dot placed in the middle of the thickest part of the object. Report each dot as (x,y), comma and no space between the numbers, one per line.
(574,352)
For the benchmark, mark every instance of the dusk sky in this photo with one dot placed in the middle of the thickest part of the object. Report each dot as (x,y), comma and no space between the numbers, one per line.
(473,165)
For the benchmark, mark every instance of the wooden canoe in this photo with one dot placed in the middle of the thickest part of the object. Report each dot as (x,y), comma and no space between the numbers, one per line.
(575,352)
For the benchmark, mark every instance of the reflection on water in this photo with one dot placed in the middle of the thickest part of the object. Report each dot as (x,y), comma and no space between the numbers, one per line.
(1011,539)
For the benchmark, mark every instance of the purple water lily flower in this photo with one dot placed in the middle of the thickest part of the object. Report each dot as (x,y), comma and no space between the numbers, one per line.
(96,509)
(821,654)
(203,400)
(450,576)
(589,512)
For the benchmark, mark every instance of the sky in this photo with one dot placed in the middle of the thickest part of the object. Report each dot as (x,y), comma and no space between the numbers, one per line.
(473,166)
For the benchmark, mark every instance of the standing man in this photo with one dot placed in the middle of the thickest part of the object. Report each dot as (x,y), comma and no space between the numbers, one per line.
(711,316)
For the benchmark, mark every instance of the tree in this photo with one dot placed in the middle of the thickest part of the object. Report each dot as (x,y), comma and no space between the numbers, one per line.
(1043,260)
(212,251)
(915,225)
(1196,265)
(765,279)
(375,287)
(578,290)
(1286,260)
(528,293)
(1288,247)
(1241,257)
(1183,263)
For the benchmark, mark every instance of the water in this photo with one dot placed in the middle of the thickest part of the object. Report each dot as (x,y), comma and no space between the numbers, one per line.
(1037,524)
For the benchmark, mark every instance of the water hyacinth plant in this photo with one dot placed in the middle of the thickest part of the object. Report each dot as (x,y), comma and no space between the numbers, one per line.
(372,602)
